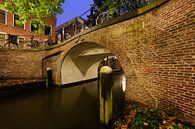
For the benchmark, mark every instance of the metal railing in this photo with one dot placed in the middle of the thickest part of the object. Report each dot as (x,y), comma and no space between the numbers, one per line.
(33,43)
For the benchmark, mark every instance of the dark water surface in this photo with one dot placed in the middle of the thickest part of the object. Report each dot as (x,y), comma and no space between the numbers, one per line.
(59,108)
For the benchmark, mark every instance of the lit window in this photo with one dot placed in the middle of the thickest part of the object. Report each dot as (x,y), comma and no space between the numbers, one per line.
(2,39)
(16,19)
(47,30)
(2,16)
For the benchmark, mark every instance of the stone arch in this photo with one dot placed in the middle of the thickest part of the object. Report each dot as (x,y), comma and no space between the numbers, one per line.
(81,62)
(90,53)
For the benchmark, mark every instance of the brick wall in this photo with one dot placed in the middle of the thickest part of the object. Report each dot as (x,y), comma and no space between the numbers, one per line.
(157,52)
(20,65)
(162,54)
(155,49)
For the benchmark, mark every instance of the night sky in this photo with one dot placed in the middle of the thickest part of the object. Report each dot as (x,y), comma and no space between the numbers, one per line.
(73,8)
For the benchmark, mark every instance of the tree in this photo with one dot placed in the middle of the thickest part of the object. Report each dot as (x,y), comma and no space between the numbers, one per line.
(114,8)
(117,7)
(34,10)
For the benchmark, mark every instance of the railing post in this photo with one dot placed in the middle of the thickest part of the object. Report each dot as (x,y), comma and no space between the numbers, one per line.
(105,96)
(63,35)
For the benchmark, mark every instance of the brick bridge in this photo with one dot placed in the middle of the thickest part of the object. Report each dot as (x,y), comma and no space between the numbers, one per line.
(156,50)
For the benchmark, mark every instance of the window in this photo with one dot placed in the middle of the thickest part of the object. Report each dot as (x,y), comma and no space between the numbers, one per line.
(2,39)
(47,30)
(16,24)
(14,39)
(2,16)
(35,26)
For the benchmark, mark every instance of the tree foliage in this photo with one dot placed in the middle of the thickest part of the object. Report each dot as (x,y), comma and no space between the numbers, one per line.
(116,7)
(111,6)
(33,9)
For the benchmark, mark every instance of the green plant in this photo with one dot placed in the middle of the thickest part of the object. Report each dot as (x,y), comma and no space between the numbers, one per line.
(140,117)
(174,126)
(155,118)
(139,121)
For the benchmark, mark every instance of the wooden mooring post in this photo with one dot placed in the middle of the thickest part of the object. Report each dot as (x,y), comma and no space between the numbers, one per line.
(49,78)
(105,96)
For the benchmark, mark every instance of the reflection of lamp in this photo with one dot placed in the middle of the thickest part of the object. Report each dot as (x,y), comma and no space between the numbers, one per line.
(123,83)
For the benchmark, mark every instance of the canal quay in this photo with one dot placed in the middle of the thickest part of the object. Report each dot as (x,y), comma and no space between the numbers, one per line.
(87,74)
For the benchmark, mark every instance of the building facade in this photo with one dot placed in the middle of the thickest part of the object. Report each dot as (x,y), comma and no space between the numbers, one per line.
(21,35)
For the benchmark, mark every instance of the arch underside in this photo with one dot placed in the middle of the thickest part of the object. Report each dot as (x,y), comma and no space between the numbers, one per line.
(82,62)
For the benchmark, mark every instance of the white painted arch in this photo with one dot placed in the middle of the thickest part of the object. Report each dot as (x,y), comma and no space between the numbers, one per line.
(82,61)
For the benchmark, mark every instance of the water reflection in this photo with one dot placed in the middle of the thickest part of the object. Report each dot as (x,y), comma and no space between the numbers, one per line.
(119,80)
(123,79)
(65,108)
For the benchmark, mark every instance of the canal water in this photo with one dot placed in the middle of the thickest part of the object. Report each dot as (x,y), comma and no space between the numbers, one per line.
(75,107)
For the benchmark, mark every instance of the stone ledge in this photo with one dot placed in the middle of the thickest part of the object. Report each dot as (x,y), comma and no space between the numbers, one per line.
(13,87)
(12,82)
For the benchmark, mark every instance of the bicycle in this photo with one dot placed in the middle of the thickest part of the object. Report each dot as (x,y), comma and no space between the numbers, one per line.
(102,17)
